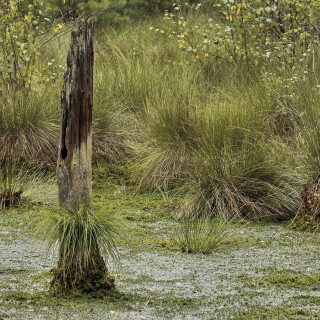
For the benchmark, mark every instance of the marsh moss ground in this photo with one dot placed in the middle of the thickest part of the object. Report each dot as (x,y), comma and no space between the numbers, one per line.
(262,271)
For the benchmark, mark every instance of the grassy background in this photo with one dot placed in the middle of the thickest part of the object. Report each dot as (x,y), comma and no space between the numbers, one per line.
(233,143)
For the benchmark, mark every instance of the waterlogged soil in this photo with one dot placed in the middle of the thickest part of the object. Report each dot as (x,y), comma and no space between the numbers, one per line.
(261,270)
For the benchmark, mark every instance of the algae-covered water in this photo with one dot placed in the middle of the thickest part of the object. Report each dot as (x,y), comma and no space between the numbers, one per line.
(262,271)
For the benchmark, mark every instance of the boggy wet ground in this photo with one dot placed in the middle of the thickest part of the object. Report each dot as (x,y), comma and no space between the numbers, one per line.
(261,270)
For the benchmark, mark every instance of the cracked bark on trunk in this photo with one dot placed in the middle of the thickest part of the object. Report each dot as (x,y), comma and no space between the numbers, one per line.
(74,162)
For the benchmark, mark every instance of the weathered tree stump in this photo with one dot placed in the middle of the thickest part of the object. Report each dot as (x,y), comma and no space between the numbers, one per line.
(81,268)
(74,162)
(308,216)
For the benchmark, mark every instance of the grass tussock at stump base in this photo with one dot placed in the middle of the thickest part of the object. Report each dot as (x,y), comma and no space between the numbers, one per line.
(83,239)
(93,278)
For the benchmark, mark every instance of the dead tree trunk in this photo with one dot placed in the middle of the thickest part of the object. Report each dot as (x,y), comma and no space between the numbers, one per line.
(80,265)
(308,217)
(74,163)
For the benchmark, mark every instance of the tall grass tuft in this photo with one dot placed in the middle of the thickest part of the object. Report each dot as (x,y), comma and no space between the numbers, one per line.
(28,127)
(307,105)
(247,180)
(10,189)
(240,167)
(201,235)
(166,135)
(111,121)
(76,232)
(224,146)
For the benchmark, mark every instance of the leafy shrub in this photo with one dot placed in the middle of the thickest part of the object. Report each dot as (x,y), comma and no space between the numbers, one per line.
(245,32)
(23,30)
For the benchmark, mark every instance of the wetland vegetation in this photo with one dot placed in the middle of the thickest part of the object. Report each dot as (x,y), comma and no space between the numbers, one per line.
(260,270)
(206,148)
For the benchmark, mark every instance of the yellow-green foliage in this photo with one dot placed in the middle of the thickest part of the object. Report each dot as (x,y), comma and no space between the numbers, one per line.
(23,30)
(245,32)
